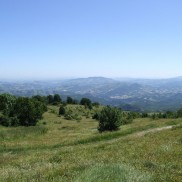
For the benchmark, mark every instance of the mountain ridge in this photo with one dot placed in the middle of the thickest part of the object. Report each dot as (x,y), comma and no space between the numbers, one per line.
(147,95)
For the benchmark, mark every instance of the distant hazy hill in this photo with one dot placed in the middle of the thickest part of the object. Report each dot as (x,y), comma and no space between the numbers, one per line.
(130,94)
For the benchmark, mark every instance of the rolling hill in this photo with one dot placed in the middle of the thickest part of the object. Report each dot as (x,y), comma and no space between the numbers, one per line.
(132,94)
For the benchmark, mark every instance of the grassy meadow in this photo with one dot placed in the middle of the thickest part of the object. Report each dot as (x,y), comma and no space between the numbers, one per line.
(73,150)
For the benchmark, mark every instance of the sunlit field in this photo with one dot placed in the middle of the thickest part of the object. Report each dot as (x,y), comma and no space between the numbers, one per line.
(73,150)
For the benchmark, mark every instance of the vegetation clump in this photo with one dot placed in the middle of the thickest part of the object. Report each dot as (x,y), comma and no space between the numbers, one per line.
(7,102)
(62,110)
(54,99)
(70,100)
(21,111)
(9,121)
(110,119)
(28,111)
(86,102)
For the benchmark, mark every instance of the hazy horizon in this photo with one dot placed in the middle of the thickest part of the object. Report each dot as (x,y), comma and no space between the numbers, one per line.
(72,78)
(43,40)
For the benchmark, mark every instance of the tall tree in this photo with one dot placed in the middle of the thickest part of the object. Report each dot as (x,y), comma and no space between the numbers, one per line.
(50,99)
(69,100)
(57,98)
(86,102)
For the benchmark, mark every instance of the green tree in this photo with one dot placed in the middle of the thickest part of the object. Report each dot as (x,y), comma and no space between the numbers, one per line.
(50,99)
(144,115)
(75,101)
(154,116)
(69,100)
(7,102)
(170,114)
(95,104)
(96,116)
(9,121)
(57,98)
(62,110)
(110,119)
(179,113)
(86,102)
(40,98)
(28,111)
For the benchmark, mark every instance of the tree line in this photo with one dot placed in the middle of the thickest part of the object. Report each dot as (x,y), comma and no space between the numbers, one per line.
(25,111)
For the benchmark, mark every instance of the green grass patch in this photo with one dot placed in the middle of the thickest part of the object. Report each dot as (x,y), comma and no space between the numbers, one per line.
(68,151)
(114,135)
(112,172)
(171,123)
(22,132)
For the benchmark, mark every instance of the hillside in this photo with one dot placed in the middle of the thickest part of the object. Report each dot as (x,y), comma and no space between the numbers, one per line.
(133,94)
(73,150)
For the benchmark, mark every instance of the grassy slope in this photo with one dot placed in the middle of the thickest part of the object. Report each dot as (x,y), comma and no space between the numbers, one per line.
(66,150)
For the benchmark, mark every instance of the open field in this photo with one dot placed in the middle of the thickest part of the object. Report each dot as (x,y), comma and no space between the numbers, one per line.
(73,150)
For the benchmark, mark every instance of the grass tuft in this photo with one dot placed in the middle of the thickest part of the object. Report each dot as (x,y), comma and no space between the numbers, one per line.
(112,172)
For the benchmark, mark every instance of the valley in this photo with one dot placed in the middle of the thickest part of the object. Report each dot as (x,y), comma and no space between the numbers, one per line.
(141,95)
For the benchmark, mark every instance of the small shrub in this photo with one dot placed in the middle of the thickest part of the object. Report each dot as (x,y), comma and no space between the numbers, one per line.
(52,111)
(62,110)
(110,119)
(79,118)
(55,103)
(96,116)
(44,122)
(126,121)
(68,117)
(149,165)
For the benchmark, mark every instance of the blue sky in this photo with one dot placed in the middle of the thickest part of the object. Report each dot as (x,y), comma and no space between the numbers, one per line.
(43,39)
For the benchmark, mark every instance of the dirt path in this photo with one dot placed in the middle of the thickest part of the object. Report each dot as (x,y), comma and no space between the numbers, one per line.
(137,134)
(142,133)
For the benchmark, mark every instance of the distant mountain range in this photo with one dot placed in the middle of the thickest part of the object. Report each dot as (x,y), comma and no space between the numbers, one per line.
(129,94)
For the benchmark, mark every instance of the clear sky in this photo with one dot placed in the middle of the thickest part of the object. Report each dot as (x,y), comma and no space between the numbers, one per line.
(52,39)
